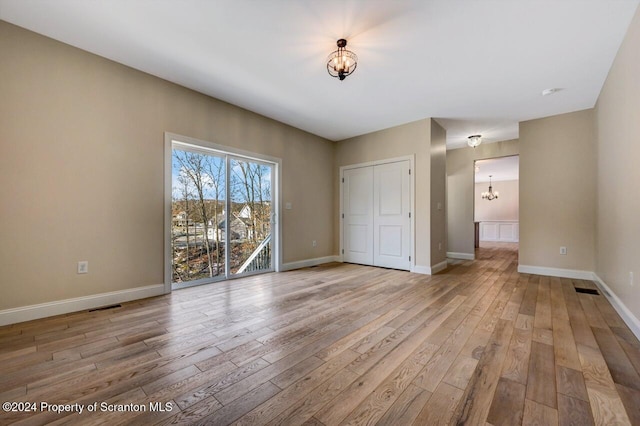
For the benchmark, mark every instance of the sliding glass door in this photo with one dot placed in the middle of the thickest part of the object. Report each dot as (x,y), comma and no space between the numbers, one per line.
(221,215)
(250,219)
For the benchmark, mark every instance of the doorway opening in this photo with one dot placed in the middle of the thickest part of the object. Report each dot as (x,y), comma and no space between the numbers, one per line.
(496,204)
(221,210)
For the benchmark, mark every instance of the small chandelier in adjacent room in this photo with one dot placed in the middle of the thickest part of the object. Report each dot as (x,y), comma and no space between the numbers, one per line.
(342,62)
(474,140)
(490,195)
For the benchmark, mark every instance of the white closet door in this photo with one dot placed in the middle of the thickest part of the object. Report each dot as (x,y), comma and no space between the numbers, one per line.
(377,224)
(358,215)
(391,220)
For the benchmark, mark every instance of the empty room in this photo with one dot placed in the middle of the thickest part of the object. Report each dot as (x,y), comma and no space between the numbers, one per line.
(319,212)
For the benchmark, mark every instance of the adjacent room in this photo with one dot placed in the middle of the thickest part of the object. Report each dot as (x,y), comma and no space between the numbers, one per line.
(496,201)
(322,213)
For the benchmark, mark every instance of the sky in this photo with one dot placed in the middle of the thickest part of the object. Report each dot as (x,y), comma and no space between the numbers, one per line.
(236,173)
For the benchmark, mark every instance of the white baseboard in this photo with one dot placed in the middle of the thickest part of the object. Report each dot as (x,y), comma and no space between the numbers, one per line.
(439,267)
(501,241)
(308,262)
(429,270)
(424,270)
(59,307)
(556,272)
(627,316)
(462,256)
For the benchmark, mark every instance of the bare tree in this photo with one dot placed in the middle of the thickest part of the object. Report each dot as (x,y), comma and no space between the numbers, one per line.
(193,166)
(248,181)
(185,194)
(215,169)
(263,213)
(252,187)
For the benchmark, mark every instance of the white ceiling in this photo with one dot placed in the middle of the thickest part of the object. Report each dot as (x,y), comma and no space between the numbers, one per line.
(503,168)
(475,66)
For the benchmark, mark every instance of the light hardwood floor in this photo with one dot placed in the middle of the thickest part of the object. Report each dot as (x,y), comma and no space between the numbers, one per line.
(338,344)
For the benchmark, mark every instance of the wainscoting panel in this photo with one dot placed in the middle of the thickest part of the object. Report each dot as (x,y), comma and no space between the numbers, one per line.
(504,231)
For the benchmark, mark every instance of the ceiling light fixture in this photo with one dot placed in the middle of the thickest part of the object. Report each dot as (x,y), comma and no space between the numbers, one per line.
(490,195)
(474,140)
(342,62)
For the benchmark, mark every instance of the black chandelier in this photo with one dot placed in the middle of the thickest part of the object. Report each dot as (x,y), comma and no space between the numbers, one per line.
(490,195)
(342,62)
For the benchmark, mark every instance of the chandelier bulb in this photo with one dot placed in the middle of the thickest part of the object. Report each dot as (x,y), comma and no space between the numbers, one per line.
(342,62)
(490,195)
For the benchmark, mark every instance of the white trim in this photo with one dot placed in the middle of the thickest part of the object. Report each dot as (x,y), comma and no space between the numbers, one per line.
(439,267)
(59,307)
(462,256)
(418,269)
(429,270)
(377,162)
(627,316)
(277,209)
(309,262)
(556,272)
(168,199)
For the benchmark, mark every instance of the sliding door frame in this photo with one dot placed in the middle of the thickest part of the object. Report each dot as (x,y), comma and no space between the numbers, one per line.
(197,145)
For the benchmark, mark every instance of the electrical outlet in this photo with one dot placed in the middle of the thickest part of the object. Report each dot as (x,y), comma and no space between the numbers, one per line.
(631,278)
(83,267)
(313,243)
(287,206)
(563,250)
(439,246)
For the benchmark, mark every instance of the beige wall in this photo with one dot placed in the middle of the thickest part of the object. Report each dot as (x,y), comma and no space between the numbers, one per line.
(505,207)
(408,139)
(460,187)
(81,161)
(438,193)
(557,191)
(618,145)
(81,166)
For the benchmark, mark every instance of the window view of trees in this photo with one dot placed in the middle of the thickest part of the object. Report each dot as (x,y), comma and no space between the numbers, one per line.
(199,216)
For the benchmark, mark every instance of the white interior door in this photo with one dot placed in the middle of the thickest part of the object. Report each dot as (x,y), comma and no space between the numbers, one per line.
(358,215)
(377,223)
(391,215)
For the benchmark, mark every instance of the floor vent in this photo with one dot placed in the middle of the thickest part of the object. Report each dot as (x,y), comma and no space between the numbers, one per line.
(104,308)
(587,291)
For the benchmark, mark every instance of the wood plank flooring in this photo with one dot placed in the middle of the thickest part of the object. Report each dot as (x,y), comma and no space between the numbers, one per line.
(338,344)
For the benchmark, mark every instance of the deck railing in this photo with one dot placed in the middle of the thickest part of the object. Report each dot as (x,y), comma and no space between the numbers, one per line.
(260,259)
